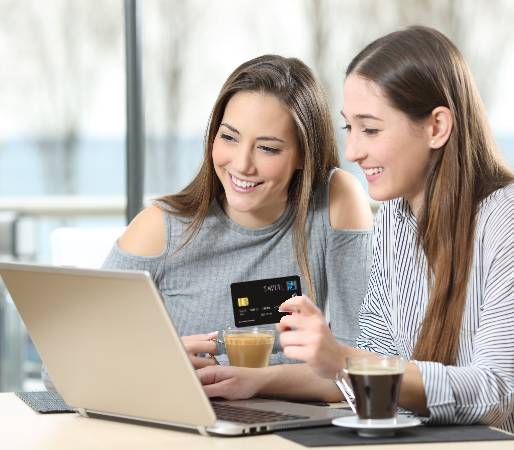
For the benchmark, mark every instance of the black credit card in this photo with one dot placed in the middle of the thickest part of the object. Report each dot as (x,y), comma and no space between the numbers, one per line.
(256,302)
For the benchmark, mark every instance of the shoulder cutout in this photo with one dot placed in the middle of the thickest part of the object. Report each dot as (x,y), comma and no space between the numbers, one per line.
(348,203)
(146,234)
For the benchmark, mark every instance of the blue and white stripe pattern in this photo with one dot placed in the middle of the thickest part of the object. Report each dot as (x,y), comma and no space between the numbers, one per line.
(479,388)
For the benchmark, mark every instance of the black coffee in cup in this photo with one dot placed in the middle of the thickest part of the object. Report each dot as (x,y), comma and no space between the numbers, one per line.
(376,391)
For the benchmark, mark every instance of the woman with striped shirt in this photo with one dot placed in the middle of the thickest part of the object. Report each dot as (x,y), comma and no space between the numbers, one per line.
(441,289)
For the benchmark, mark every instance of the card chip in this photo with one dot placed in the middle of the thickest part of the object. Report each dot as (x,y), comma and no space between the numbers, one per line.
(242,301)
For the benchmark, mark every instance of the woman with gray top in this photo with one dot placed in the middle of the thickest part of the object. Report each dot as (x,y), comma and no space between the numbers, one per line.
(268,201)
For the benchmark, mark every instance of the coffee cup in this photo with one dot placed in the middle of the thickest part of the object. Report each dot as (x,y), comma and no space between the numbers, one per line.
(376,384)
(249,347)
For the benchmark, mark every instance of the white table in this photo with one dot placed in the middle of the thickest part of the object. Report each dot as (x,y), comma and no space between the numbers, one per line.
(23,429)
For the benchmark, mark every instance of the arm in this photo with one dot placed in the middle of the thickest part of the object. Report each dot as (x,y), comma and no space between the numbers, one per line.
(142,245)
(348,255)
(146,234)
(306,336)
(348,203)
(287,381)
(483,390)
(375,312)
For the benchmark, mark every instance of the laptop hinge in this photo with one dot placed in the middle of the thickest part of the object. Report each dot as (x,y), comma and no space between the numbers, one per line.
(82,412)
(202,430)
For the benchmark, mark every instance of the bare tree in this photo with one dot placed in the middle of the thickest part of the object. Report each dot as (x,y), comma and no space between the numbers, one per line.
(482,29)
(63,43)
(167,48)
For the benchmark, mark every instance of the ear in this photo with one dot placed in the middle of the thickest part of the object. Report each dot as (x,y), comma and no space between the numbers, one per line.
(440,127)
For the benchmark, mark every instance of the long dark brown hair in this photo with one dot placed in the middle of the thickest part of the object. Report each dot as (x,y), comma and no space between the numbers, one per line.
(419,69)
(293,84)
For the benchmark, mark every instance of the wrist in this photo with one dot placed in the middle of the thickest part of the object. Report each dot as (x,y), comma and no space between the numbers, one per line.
(342,353)
(264,379)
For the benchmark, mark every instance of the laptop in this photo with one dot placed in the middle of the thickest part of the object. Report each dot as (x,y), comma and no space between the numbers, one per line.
(111,350)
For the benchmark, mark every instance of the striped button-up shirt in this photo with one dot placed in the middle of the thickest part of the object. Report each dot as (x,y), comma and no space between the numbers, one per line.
(479,388)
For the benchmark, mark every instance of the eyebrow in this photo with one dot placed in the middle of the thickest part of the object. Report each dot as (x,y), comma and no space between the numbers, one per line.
(260,138)
(363,116)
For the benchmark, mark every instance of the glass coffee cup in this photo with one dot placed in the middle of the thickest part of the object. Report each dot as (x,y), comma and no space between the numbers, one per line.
(249,347)
(376,382)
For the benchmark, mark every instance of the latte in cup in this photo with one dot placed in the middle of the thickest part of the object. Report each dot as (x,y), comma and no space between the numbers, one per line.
(249,347)
(376,385)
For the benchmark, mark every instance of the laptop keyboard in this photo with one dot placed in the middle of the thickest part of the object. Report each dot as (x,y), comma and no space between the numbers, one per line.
(241,414)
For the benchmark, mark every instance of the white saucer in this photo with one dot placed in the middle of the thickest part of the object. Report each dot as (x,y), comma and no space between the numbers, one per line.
(376,427)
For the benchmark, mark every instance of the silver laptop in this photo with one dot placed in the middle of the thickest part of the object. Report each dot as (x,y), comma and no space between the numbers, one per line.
(111,349)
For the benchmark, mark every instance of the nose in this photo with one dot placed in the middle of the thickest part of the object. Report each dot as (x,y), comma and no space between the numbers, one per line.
(243,161)
(352,151)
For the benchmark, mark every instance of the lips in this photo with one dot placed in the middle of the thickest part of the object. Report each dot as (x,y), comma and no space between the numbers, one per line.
(241,185)
(372,173)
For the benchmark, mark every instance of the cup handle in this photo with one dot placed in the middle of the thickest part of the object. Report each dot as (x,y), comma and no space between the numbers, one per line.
(345,388)
(220,344)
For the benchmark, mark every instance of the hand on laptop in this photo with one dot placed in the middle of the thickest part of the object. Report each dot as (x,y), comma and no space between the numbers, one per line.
(197,344)
(231,382)
(305,335)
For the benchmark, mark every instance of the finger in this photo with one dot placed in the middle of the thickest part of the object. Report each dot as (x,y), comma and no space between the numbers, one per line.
(297,352)
(300,304)
(207,375)
(221,389)
(200,346)
(200,337)
(198,362)
(294,338)
(297,321)
(288,322)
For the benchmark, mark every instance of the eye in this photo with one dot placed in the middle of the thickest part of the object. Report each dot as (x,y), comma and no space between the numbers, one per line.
(227,137)
(347,127)
(267,149)
(370,131)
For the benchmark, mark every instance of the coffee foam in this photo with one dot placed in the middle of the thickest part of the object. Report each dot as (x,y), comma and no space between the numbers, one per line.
(249,339)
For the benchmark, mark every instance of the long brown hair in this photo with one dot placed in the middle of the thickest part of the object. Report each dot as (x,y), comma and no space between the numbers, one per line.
(293,84)
(419,69)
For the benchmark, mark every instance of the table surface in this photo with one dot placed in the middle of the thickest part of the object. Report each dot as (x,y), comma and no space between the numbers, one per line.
(23,428)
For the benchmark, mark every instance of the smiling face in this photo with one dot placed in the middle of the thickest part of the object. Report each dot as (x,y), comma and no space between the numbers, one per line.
(255,154)
(393,151)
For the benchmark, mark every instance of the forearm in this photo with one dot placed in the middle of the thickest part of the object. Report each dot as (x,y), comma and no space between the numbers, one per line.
(412,392)
(298,382)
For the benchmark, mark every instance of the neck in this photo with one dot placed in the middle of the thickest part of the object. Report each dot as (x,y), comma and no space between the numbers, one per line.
(255,219)
(416,203)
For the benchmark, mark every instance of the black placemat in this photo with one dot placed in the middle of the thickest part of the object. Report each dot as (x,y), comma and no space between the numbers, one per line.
(331,435)
(45,402)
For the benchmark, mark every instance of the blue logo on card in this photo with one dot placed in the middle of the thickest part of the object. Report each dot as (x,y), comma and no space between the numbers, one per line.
(291,285)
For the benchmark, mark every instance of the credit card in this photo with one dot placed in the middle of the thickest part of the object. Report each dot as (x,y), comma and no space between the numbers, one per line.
(256,302)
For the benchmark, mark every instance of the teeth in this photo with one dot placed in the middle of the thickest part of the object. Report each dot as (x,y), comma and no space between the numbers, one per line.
(373,170)
(243,184)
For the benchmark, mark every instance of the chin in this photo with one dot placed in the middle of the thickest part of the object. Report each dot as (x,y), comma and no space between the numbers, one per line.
(381,196)
(239,206)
